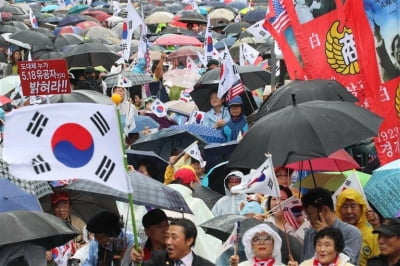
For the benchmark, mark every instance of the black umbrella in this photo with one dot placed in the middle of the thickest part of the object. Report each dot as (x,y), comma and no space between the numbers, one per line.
(91,54)
(166,140)
(236,27)
(4,28)
(305,91)
(44,55)
(255,15)
(70,20)
(15,10)
(209,196)
(67,39)
(36,40)
(81,96)
(304,131)
(158,164)
(222,226)
(18,24)
(38,228)
(192,17)
(254,77)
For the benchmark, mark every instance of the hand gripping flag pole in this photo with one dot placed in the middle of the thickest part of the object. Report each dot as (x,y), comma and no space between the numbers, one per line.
(130,194)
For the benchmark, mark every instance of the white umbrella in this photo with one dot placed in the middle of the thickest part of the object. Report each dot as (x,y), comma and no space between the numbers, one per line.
(9,83)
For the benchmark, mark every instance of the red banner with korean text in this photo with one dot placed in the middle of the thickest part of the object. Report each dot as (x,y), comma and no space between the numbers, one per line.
(44,77)
(334,42)
(384,20)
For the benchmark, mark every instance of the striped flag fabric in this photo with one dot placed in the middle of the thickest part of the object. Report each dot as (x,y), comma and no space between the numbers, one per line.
(71,141)
(236,90)
(277,16)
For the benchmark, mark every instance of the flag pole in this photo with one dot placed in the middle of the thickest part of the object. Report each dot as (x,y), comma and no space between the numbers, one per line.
(130,196)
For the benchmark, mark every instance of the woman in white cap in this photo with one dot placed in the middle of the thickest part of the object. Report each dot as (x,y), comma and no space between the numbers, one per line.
(262,246)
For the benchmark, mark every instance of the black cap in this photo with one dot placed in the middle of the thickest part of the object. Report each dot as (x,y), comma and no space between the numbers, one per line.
(154,217)
(105,222)
(212,62)
(389,227)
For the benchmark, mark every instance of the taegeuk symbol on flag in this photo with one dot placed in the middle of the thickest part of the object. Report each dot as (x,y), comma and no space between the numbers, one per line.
(66,141)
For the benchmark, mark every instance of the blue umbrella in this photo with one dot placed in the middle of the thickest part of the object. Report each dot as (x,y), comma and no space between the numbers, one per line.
(210,134)
(70,20)
(49,8)
(227,41)
(382,190)
(255,15)
(13,198)
(100,3)
(143,122)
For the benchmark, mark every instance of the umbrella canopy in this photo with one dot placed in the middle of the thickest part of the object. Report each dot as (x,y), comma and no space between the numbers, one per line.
(13,9)
(135,78)
(145,191)
(91,54)
(48,55)
(48,8)
(338,161)
(185,108)
(305,90)
(38,228)
(174,77)
(254,77)
(159,17)
(222,226)
(187,16)
(70,20)
(9,83)
(67,39)
(36,40)
(209,134)
(176,39)
(382,190)
(4,28)
(236,27)
(330,180)
(184,51)
(165,140)
(304,131)
(78,9)
(67,29)
(81,96)
(87,24)
(209,196)
(222,13)
(143,122)
(255,15)
(84,205)
(135,157)
(13,198)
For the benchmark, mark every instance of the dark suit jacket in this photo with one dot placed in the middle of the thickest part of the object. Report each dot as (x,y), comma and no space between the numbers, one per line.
(160,258)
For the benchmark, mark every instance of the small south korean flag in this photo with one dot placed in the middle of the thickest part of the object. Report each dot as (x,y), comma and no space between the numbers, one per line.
(197,117)
(158,108)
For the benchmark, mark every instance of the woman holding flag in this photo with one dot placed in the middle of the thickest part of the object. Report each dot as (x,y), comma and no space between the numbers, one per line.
(262,246)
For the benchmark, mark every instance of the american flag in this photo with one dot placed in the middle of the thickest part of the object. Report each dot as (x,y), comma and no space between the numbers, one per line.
(236,90)
(277,15)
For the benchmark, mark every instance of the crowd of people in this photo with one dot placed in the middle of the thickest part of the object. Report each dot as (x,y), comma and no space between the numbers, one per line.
(347,231)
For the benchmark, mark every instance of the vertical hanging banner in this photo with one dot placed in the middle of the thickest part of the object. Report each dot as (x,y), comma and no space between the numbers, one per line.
(278,23)
(337,40)
(384,19)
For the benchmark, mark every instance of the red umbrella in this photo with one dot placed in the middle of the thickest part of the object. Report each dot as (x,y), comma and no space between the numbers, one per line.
(68,29)
(337,161)
(87,24)
(4,100)
(176,23)
(176,39)
(97,14)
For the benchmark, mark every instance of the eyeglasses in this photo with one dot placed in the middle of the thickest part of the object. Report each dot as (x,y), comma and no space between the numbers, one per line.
(262,239)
